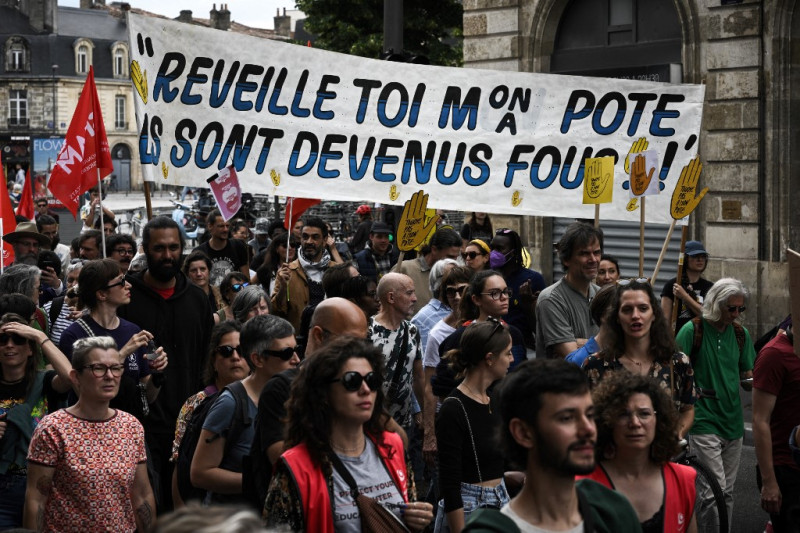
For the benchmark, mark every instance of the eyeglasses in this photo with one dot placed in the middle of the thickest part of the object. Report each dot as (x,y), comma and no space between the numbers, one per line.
(470,255)
(226,351)
(452,291)
(283,355)
(123,251)
(19,340)
(236,287)
(100,370)
(626,282)
(733,308)
(644,416)
(352,381)
(495,294)
(116,284)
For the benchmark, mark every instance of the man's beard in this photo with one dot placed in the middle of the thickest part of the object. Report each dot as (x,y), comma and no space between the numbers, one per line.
(29,259)
(160,269)
(559,461)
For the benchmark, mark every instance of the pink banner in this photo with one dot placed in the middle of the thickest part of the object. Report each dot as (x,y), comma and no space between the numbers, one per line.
(226,190)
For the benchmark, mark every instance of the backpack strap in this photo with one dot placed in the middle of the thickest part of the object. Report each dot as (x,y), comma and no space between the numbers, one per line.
(55,309)
(241,418)
(738,331)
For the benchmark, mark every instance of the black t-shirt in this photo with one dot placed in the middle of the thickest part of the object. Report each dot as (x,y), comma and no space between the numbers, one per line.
(699,289)
(271,409)
(11,395)
(230,258)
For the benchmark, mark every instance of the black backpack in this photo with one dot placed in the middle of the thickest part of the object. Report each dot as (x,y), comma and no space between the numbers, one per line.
(191,437)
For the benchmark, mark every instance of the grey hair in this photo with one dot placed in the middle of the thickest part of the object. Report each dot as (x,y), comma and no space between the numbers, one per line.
(718,296)
(259,332)
(212,519)
(437,273)
(77,264)
(20,279)
(83,347)
(246,299)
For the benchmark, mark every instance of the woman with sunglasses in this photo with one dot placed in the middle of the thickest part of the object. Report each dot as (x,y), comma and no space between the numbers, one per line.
(267,343)
(224,365)
(232,283)
(334,432)
(26,395)
(638,340)
(476,255)
(637,434)
(102,289)
(197,268)
(274,257)
(470,469)
(249,302)
(87,463)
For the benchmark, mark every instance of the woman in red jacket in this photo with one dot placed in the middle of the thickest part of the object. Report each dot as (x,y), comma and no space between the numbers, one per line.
(334,416)
(636,436)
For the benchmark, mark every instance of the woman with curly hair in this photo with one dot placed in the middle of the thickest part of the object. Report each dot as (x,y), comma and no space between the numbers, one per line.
(334,425)
(639,341)
(636,437)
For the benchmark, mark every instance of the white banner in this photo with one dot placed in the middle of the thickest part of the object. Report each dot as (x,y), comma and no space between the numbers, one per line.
(296,121)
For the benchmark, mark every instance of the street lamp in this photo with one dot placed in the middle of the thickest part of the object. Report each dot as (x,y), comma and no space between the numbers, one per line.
(55,106)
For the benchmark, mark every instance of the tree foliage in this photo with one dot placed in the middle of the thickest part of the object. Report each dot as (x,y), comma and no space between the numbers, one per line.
(432,28)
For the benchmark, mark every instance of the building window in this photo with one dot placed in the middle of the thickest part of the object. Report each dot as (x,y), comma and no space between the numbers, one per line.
(17,55)
(17,108)
(84,49)
(120,113)
(83,59)
(119,56)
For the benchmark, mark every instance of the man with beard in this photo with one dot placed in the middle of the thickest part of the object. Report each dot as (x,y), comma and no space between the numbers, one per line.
(178,314)
(27,241)
(43,209)
(549,431)
(226,254)
(121,248)
(48,226)
(563,319)
(299,283)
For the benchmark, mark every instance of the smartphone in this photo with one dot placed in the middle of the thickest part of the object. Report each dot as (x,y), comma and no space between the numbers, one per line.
(151,350)
(44,263)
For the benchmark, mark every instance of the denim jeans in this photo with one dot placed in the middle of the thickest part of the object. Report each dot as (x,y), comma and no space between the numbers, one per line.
(12,501)
(473,497)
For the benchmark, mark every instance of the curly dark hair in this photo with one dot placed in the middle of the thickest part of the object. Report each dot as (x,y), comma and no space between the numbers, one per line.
(662,343)
(611,398)
(308,409)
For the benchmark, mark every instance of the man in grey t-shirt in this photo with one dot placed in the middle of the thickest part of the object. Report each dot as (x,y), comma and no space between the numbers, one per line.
(563,319)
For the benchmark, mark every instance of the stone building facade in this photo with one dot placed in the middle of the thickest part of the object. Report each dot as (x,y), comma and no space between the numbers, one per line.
(744,51)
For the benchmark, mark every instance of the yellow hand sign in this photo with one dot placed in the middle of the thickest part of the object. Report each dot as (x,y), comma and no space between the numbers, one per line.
(394,193)
(516,199)
(139,79)
(685,197)
(640,179)
(598,185)
(413,229)
(276,178)
(633,204)
(164,170)
(639,145)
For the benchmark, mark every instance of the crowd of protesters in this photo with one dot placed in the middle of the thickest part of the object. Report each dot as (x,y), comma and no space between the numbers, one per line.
(328,388)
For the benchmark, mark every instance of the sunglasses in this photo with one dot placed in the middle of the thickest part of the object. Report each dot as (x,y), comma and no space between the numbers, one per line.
(19,340)
(236,287)
(452,291)
(352,381)
(226,351)
(498,325)
(733,308)
(470,255)
(283,355)
(116,284)
(123,251)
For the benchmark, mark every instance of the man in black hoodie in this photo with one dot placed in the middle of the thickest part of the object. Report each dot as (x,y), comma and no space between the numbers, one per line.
(178,314)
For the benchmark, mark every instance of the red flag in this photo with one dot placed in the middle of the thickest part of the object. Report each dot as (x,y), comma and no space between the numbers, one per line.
(25,207)
(9,222)
(85,150)
(295,207)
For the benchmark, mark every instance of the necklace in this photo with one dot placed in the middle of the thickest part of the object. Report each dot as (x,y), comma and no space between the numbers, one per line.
(20,380)
(359,448)
(487,403)
(638,364)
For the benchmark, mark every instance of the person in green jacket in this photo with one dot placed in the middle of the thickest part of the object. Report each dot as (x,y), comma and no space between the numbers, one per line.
(548,431)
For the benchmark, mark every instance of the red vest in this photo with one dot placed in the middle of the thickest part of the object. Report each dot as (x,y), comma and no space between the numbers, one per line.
(313,487)
(680,494)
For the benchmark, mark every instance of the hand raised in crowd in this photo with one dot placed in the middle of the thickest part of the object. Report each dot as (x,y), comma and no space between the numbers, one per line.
(159,364)
(417,515)
(680,292)
(49,277)
(283,274)
(134,343)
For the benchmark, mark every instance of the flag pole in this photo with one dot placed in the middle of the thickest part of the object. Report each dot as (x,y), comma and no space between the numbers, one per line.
(102,222)
(2,248)
(147,202)
(289,233)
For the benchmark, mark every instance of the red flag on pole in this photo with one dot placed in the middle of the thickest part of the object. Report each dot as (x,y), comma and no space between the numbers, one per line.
(7,222)
(85,150)
(25,207)
(295,207)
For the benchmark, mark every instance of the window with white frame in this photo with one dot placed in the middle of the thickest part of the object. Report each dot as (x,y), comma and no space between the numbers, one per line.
(83,59)
(17,55)
(119,56)
(120,113)
(84,49)
(17,107)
